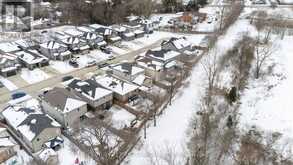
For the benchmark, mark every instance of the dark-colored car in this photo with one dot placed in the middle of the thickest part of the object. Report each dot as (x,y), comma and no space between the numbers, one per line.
(106,50)
(18,95)
(66,78)
(1,85)
(102,65)
(73,63)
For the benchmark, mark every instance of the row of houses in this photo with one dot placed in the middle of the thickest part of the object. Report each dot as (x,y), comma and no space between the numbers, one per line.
(62,45)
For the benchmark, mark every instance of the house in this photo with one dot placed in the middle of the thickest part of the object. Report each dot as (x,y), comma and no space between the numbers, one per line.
(76,44)
(8,146)
(55,51)
(148,26)
(63,106)
(96,96)
(123,32)
(25,44)
(31,59)
(106,32)
(127,71)
(93,39)
(158,63)
(187,50)
(9,47)
(135,27)
(123,90)
(9,65)
(30,124)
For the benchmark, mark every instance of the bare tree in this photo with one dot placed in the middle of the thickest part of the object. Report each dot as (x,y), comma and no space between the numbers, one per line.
(262,54)
(103,146)
(211,68)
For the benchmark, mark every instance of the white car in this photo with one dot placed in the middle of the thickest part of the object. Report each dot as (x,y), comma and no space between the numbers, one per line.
(91,63)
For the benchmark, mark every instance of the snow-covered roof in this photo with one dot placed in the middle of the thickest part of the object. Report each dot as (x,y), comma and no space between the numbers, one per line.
(73,32)
(128,68)
(179,43)
(28,119)
(62,100)
(8,47)
(116,38)
(96,26)
(71,40)
(25,43)
(129,34)
(6,139)
(52,45)
(116,85)
(31,56)
(89,88)
(162,54)
(47,153)
(118,28)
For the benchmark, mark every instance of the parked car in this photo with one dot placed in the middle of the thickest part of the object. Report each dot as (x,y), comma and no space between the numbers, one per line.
(17,95)
(1,85)
(106,50)
(102,65)
(91,63)
(73,63)
(111,57)
(66,78)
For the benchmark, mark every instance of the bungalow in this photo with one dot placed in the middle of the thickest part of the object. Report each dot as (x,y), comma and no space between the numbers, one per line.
(123,32)
(55,50)
(9,65)
(127,71)
(93,94)
(106,32)
(31,59)
(30,124)
(8,146)
(63,106)
(158,63)
(123,90)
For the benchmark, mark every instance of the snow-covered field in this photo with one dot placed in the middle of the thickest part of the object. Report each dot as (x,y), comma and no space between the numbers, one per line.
(266,103)
(33,76)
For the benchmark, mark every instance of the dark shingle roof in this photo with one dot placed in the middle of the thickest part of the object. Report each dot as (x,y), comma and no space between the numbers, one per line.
(38,122)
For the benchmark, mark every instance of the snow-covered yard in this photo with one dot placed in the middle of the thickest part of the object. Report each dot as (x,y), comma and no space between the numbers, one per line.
(69,153)
(120,117)
(61,66)
(33,76)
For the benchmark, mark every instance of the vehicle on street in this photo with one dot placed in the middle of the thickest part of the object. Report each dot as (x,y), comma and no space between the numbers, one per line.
(73,63)
(106,50)
(111,57)
(102,65)
(66,78)
(1,85)
(91,63)
(17,95)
